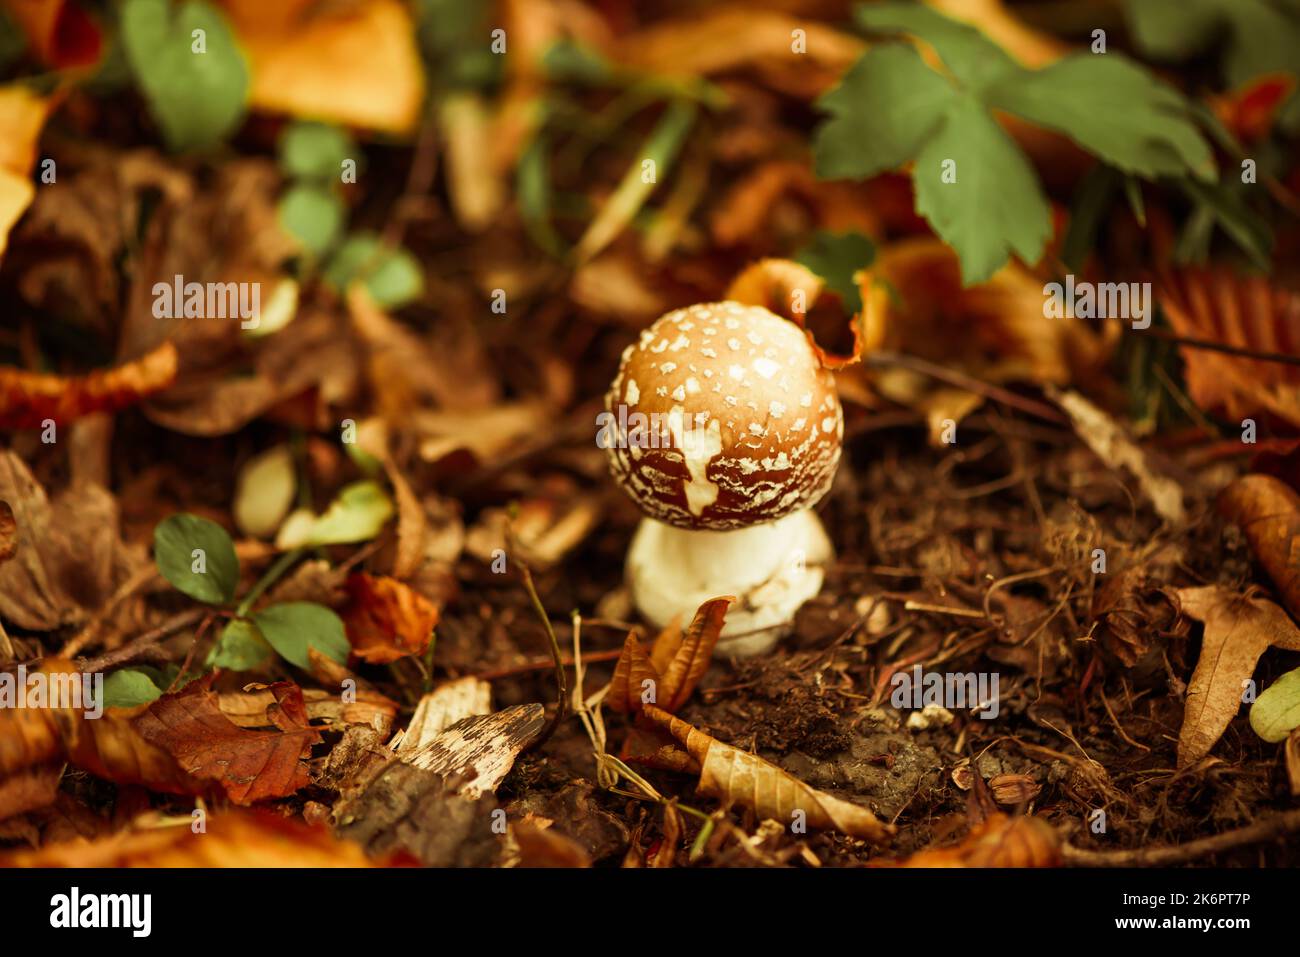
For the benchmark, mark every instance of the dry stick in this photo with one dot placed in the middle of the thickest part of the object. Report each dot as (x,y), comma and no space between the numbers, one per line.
(142,644)
(962,381)
(561,708)
(540,663)
(1283,823)
(1193,343)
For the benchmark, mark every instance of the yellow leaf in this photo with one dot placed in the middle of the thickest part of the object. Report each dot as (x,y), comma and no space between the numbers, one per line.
(22,114)
(356,64)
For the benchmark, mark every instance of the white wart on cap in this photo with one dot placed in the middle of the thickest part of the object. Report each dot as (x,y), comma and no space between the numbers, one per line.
(742,424)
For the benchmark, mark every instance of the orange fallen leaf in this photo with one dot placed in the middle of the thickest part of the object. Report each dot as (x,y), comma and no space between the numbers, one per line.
(387,619)
(1239,628)
(1221,306)
(248,765)
(230,839)
(28,399)
(107,746)
(545,847)
(998,841)
(738,777)
(354,63)
(1268,511)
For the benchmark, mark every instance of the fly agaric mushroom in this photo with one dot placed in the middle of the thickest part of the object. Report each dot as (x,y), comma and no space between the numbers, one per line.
(724,427)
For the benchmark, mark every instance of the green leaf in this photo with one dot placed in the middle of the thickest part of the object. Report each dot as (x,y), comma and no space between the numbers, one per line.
(994,207)
(836,257)
(197,556)
(293,627)
(357,515)
(393,277)
(882,112)
(1276,713)
(197,98)
(129,687)
(1225,204)
(240,647)
(969,55)
(312,215)
(315,151)
(1112,108)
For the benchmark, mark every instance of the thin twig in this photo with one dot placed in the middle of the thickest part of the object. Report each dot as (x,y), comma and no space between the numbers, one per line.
(561,682)
(1040,410)
(1256,833)
(143,643)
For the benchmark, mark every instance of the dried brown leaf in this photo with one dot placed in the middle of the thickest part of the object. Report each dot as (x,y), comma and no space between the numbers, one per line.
(1244,311)
(633,671)
(1268,511)
(1239,628)
(248,765)
(738,777)
(691,660)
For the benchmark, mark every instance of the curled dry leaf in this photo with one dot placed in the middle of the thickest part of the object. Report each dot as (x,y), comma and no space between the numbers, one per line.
(1239,628)
(691,660)
(999,841)
(28,399)
(631,674)
(738,777)
(232,839)
(1248,312)
(386,619)
(676,665)
(791,290)
(1268,511)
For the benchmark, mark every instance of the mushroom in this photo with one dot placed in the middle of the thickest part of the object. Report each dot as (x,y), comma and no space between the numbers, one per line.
(724,427)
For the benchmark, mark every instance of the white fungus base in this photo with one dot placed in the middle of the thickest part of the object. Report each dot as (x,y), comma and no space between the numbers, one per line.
(772,569)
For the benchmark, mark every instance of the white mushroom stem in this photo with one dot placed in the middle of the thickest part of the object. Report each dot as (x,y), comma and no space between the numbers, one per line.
(771,568)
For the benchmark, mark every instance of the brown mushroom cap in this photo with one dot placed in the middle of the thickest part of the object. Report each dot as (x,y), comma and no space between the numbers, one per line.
(721,416)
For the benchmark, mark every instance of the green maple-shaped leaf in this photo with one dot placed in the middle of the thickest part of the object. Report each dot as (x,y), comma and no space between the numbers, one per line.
(979,192)
(973,183)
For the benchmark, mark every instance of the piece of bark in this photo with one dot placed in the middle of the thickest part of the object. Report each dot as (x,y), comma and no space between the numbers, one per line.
(444,706)
(436,802)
